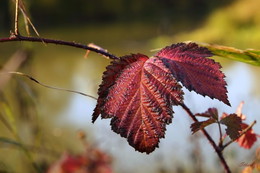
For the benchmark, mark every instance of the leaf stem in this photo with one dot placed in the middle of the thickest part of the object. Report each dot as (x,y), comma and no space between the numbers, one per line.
(17,37)
(211,141)
(220,144)
(242,133)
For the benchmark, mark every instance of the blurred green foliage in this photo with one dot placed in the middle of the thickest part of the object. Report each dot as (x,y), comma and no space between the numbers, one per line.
(235,25)
(60,12)
(249,56)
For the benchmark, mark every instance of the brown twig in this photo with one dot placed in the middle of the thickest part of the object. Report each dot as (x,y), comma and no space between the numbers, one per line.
(220,144)
(16,27)
(27,20)
(15,37)
(211,141)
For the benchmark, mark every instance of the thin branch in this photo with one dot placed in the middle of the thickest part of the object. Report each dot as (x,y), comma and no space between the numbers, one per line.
(16,27)
(47,86)
(35,149)
(15,37)
(220,144)
(211,141)
(27,20)
(241,134)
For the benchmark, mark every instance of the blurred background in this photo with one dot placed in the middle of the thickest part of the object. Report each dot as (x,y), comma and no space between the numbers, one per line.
(39,126)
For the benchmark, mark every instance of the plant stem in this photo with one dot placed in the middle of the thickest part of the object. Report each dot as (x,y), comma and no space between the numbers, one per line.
(12,143)
(16,29)
(15,37)
(220,144)
(211,141)
(47,86)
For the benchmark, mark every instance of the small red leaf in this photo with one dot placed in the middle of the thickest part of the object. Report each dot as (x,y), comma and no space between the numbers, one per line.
(233,123)
(239,111)
(196,126)
(210,113)
(248,139)
(189,65)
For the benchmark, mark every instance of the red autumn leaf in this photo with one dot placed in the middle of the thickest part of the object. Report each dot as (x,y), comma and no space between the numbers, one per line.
(92,161)
(138,92)
(196,126)
(233,123)
(239,111)
(248,139)
(69,164)
(72,163)
(140,101)
(108,80)
(188,64)
(210,113)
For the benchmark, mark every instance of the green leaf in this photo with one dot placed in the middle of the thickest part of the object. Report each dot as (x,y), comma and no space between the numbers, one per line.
(249,56)
(233,123)
(7,117)
(9,141)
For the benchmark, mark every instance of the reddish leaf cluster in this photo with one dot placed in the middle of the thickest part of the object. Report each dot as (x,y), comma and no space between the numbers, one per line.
(248,139)
(93,161)
(235,128)
(211,114)
(138,92)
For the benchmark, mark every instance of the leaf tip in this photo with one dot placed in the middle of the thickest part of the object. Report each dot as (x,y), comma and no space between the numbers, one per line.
(95,114)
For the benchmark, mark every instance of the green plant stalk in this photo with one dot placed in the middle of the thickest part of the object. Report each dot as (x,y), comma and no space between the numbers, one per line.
(12,142)
(249,56)
(19,141)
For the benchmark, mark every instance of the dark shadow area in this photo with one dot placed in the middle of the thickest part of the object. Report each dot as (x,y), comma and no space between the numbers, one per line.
(81,12)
